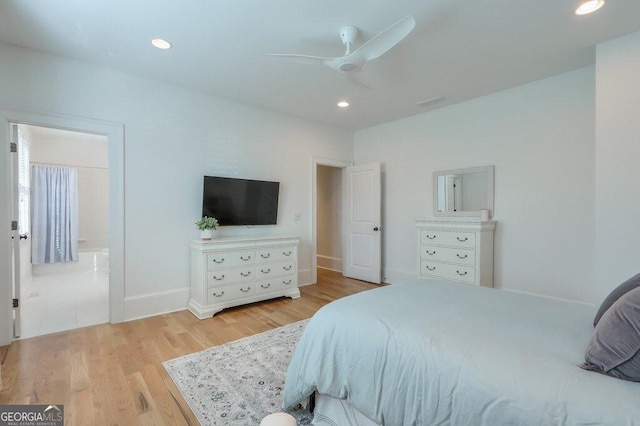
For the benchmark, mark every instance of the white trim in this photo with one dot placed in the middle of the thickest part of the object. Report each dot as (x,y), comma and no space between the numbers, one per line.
(330,263)
(157,303)
(561,299)
(115,134)
(315,162)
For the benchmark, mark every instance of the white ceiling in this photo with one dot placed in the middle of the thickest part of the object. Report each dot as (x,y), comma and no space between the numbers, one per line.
(460,49)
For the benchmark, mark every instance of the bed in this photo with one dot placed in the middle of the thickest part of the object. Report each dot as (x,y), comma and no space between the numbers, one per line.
(443,353)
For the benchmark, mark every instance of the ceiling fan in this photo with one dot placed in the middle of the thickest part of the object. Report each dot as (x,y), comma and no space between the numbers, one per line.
(353,61)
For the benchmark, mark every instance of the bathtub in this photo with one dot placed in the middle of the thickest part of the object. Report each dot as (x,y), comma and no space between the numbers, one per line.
(88,261)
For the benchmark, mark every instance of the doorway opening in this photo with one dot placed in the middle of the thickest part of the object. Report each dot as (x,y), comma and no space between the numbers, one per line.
(329,217)
(64,229)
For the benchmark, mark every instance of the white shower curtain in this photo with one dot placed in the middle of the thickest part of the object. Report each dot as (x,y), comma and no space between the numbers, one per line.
(54,214)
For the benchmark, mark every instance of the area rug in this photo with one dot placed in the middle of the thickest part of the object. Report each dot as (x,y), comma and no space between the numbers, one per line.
(240,382)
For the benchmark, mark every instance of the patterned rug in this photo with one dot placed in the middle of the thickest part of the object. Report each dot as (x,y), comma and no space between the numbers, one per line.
(240,382)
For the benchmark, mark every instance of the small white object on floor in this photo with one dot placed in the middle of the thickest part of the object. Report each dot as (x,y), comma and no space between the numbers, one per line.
(279,419)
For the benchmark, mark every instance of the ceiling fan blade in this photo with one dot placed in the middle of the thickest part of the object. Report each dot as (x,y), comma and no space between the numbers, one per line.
(351,77)
(304,59)
(385,40)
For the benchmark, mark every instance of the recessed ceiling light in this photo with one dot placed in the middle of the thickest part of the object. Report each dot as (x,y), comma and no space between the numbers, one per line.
(589,6)
(343,104)
(160,43)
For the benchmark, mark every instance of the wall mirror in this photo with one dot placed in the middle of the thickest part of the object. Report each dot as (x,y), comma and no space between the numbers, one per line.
(463,192)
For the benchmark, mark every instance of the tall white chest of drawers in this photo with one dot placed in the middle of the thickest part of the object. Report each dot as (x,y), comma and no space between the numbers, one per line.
(456,251)
(228,272)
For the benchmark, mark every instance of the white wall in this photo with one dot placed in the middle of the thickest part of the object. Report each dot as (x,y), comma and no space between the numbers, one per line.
(173,137)
(617,162)
(329,217)
(87,153)
(540,137)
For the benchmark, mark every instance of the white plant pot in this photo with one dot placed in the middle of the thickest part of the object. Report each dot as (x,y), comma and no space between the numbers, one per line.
(206,234)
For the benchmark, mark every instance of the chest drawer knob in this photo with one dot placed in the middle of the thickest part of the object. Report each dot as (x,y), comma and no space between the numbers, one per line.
(219,295)
(265,286)
(462,274)
(287,268)
(286,253)
(218,260)
(431,237)
(431,253)
(245,258)
(265,255)
(265,271)
(431,268)
(286,282)
(462,256)
(215,277)
(245,290)
(245,274)
(462,240)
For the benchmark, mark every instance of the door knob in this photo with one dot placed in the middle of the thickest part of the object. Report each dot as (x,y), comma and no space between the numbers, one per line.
(23,236)
(376,229)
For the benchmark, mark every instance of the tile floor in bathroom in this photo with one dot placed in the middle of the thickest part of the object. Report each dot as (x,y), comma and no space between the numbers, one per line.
(63,301)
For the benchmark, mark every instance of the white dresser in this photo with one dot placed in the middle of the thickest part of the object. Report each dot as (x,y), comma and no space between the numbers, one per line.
(456,250)
(229,272)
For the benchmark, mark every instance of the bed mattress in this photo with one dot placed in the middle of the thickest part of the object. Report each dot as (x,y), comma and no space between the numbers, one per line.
(443,353)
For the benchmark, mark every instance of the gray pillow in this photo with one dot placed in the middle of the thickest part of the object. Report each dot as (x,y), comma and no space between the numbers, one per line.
(616,294)
(614,348)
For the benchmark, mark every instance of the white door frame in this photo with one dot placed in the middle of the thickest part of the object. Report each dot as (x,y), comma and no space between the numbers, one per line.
(115,134)
(315,162)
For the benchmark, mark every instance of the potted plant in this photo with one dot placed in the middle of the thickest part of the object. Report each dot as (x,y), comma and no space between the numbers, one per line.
(207,225)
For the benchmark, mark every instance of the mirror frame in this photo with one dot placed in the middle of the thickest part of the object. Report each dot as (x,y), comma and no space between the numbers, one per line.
(490,191)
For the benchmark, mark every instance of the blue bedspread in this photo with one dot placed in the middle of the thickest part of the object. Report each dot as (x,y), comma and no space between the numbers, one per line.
(442,353)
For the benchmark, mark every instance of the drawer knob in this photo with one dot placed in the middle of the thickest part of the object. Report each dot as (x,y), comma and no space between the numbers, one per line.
(218,261)
(218,278)
(245,290)
(431,268)
(245,258)
(431,253)
(431,237)
(462,257)
(219,295)
(265,286)
(462,240)
(287,268)
(287,253)
(265,272)
(245,274)
(286,282)
(462,273)
(265,255)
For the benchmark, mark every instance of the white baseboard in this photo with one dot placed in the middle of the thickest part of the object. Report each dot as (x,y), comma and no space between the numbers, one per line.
(304,277)
(562,299)
(330,263)
(151,304)
(391,276)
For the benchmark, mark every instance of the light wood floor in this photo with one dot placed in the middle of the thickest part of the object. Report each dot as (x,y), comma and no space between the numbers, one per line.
(112,374)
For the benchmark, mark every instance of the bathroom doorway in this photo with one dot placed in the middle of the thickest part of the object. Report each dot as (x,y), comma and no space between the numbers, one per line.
(68,290)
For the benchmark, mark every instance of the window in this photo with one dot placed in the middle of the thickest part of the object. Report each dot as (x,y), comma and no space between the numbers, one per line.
(24,186)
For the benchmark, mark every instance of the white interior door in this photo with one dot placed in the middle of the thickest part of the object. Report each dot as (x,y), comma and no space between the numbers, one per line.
(15,233)
(362,251)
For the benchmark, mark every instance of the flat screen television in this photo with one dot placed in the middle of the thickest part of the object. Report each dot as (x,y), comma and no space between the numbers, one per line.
(240,201)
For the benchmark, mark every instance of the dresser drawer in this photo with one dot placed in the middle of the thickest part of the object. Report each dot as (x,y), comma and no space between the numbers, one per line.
(229,276)
(448,271)
(446,254)
(275,269)
(445,238)
(276,284)
(230,259)
(275,254)
(220,294)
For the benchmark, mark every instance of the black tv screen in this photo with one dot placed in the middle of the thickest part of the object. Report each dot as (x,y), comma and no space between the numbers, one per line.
(240,201)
